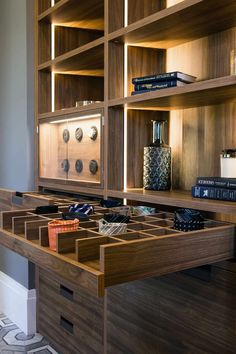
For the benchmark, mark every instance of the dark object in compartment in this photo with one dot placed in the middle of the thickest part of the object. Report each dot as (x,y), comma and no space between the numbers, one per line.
(79,134)
(110,203)
(75,215)
(66,135)
(82,208)
(79,166)
(93,166)
(116,218)
(46,209)
(65,165)
(93,133)
(188,220)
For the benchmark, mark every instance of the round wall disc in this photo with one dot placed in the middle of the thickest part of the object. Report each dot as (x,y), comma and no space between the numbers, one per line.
(65,165)
(66,135)
(79,134)
(93,166)
(79,166)
(93,133)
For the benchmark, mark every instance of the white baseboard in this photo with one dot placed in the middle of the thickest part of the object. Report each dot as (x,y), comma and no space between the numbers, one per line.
(18,303)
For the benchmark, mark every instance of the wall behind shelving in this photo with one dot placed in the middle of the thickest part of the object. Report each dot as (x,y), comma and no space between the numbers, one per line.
(16,114)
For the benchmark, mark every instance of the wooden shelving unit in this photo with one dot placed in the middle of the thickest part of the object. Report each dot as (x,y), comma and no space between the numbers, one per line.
(100,45)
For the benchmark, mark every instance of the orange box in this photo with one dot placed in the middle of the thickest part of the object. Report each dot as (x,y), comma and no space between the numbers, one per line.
(56,226)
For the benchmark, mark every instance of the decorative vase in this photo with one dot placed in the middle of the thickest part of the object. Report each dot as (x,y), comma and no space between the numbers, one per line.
(157,161)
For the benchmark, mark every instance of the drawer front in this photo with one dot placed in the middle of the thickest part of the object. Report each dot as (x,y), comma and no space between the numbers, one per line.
(75,310)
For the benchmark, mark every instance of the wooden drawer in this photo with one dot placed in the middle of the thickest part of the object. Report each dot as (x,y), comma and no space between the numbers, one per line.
(73,311)
(150,248)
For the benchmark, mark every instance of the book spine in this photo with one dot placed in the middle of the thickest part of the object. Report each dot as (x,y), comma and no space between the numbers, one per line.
(149,79)
(156,85)
(141,91)
(214,193)
(216,183)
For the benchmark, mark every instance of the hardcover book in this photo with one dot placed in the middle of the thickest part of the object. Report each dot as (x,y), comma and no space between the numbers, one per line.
(174,75)
(157,85)
(217,182)
(214,193)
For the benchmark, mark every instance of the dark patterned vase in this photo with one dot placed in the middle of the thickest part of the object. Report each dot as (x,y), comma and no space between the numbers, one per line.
(157,161)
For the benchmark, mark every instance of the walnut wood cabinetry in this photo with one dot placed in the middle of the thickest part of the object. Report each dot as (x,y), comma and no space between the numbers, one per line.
(90,50)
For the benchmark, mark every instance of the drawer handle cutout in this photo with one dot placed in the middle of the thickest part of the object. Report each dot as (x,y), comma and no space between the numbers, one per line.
(67,325)
(66,292)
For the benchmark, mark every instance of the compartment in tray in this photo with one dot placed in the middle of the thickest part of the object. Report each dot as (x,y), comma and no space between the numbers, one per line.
(89,249)
(161,232)
(130,236)
(6,217)
(96,216)
(88,224)
(142,218)
(19,222)
(140,226)
(65,241)
(162,215)
(161,222)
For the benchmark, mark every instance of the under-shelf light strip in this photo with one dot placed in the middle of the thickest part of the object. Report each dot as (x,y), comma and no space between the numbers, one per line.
(89,116)
(126,14)
(52,73)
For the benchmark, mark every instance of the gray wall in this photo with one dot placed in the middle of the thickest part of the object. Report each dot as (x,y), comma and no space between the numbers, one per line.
(16,113)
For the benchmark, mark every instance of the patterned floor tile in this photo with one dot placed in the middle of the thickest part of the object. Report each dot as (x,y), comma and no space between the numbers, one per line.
(14,341)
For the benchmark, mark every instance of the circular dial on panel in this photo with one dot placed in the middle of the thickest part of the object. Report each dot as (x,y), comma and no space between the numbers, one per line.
(79,134)
(65,165)
(66,135)
(93,133)
(79,166)
(93,167)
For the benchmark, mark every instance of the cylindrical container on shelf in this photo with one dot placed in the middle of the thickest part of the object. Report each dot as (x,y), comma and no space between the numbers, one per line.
(56,226)
(228,163)
(157,161)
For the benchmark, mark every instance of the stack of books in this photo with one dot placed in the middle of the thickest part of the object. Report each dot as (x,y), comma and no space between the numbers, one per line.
(219,188)
(160,81)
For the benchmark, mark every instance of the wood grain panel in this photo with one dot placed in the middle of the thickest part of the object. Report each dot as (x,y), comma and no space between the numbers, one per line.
(115,15)
(85,311)
(115,149)
(67,38)
(65,267)
(32,229)
(72,88)
(155,257)
(44,42)
(200,315)
(138,9)
(144,62)
(73,13)
(172,31)
(116,70)
(44,91)
(66,240)
(43,5)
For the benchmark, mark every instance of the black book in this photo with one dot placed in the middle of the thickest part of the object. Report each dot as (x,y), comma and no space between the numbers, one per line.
(220,182)
(214,193)
(174,75)
(157,85)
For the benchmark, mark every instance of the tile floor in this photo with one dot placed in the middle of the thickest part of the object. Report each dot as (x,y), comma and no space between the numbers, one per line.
(14,341)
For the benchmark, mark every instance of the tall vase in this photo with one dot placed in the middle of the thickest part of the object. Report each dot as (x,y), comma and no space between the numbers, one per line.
(157,161)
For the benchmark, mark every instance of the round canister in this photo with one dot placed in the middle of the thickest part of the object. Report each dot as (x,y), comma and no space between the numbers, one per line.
(228,163)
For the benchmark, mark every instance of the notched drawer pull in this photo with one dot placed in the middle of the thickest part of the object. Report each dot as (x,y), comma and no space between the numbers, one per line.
(67,325)
(66,292)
